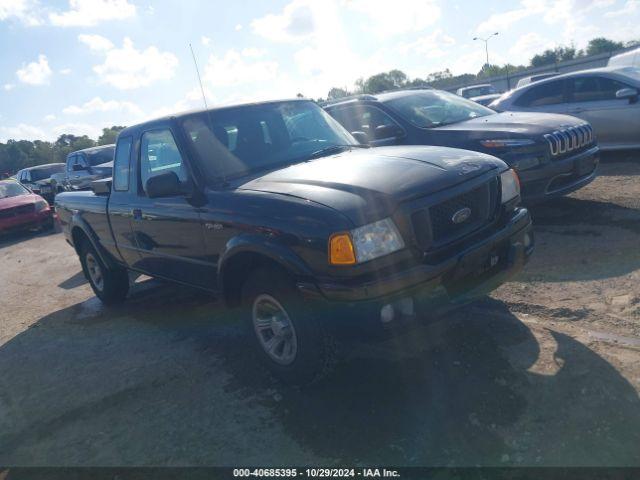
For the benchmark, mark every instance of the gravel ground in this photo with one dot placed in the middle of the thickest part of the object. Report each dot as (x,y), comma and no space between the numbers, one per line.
(544,372)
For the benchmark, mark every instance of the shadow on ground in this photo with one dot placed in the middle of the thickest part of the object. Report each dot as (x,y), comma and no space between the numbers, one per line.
(167,379)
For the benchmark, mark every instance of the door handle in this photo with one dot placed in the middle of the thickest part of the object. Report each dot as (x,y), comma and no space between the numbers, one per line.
(576,110)
(136,213)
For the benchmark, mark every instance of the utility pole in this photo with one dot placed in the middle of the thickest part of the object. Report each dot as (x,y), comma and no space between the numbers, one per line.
(486,44)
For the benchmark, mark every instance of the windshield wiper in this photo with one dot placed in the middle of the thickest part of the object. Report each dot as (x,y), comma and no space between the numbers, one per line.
(333,149)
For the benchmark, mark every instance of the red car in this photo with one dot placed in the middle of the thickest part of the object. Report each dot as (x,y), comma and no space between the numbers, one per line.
(22,210)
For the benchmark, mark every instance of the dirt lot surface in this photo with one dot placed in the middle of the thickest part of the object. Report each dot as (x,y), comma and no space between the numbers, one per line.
(545,372)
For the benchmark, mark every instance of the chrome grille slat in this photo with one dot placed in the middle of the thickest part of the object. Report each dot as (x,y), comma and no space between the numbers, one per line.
(569,139)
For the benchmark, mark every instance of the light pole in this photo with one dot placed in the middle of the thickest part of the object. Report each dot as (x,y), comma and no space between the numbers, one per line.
(486,43)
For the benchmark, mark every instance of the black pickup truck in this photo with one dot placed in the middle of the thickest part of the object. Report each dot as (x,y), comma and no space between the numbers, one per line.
(277,209)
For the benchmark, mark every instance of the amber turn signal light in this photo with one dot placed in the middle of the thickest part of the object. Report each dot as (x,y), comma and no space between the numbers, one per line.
(341,250)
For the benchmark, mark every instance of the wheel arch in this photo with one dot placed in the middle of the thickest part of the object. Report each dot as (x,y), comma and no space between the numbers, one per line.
(247,254)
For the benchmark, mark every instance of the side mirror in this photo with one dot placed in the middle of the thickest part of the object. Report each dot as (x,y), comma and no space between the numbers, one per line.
(78,168)
(164,185)
(361,137)
(627,93)
(388,131)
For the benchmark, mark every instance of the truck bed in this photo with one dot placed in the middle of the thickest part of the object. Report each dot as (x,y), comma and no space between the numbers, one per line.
(87,206)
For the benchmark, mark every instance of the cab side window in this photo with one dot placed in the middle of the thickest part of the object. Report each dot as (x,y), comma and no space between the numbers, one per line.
(121,165)
(159,154)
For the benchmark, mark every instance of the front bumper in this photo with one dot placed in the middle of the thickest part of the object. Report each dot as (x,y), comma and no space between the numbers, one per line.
(471,272)
(26,222)
(559,177)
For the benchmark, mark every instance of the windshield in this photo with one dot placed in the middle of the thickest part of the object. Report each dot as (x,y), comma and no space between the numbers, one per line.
(478,91)
(42,173)
(435,108)
(12,189)
(101,156)
(236,141)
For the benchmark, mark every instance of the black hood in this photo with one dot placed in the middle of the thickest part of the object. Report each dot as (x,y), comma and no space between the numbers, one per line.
(512,125)
(367,185)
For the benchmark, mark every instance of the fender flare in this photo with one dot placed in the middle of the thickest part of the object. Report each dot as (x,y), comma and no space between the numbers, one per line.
(78,222)
(260,245)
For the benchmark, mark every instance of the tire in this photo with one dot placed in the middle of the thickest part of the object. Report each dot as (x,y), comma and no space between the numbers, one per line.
(110,285)
(270,293)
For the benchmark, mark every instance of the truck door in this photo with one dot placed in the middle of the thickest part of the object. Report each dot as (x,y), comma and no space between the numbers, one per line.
(168,231)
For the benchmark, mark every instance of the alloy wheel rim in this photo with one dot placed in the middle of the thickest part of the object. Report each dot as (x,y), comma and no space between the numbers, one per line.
(95,272)
(274,330)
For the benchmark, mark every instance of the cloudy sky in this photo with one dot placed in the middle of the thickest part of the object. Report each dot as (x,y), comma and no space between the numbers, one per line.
(74,66)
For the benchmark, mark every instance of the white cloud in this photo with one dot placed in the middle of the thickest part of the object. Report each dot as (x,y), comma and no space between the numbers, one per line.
(79,129)
(238,27)
(504,20)
(22,10)
(8,86)
(96,104)
(324,57)
(296,21)
(87,13)
(430,46)
(234,69)
(206,41)
(96,42)
(49,118)
(35,73)
(631,7)
(22,131)
(127,68)
(527,46)
(398,17)
(253,52)
(64,71)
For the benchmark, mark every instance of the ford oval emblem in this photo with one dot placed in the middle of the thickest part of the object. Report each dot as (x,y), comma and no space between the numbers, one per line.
(461,215)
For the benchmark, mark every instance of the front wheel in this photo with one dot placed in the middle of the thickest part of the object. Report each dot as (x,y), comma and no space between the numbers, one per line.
(286,332)
(110,285)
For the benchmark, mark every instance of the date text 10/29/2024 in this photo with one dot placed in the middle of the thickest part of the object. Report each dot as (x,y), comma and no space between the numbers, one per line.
(315,472)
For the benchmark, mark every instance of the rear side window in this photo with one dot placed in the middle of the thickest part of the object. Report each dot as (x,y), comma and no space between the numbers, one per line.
(121,165)
(365,118)
(593,89)
(159,154)
(550,93)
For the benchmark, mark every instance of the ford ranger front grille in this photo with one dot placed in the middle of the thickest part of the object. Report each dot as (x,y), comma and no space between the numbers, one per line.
(455,217)
(569,139)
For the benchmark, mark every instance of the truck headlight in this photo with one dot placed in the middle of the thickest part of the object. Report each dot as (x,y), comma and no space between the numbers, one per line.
(365,243)
(510,184)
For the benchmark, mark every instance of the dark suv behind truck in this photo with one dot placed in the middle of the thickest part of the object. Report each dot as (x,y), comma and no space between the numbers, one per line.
(553,154)
(277,209)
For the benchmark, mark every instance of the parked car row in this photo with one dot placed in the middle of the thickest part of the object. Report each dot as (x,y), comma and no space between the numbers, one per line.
(80,169)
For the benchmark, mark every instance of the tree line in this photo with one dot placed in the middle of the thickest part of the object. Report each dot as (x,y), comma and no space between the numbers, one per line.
(19,154)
